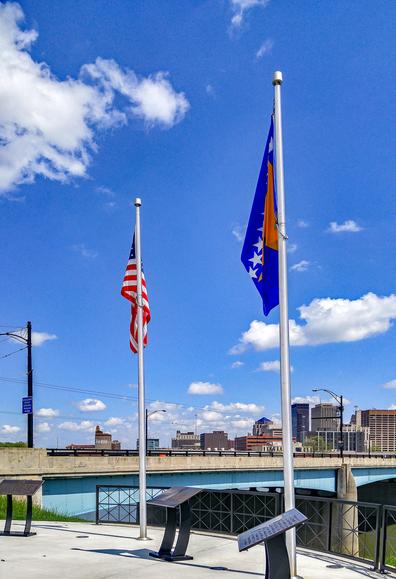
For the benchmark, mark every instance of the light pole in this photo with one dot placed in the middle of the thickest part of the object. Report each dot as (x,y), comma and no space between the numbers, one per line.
(148,414)
(340,401)
(28,342)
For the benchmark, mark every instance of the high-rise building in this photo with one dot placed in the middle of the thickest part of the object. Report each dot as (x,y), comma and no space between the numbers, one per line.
(324,416)
(382,425)
(300,421)
(261,426)
(216,440)
(355,438)
(186,441)
(152,444)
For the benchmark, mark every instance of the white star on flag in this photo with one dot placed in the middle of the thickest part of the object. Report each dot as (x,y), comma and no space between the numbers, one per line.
(259,244)
(252,272)
(256,259)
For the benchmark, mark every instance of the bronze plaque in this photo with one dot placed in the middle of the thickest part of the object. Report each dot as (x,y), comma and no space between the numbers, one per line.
(12,486)
(270,529)
(174,496)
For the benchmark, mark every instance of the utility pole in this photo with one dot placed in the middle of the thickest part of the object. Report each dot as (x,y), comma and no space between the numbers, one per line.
(28,342)
(30,384)
(341,442)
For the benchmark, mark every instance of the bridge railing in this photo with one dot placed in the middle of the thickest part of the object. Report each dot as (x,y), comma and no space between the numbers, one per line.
(358,530)
(174,452)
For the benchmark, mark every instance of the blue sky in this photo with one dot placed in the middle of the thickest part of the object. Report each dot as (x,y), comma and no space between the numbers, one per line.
(101,102)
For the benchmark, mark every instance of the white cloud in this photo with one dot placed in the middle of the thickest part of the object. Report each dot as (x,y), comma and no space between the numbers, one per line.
(38,338)
(205,388)
(240,7)
(43,427)
(292,247)
(9,429)
(390,384)
(48,126)
(312,400)
(349,226)
(303,224)
(48,412)
(83,425)
(211,416)
(237,364)
(238,232)
(327,320)
(392,407)
(271,366)
(265,48)
(84,251)
(242,423)
(210,90)
(106,191)
(302,265)
(249,408)
(91,405)
(115,421)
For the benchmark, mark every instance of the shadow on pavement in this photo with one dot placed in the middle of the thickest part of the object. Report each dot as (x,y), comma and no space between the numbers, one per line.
(144,554)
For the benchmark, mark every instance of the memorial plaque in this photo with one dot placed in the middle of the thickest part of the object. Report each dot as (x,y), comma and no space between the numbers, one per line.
(174,497)
(270,529)
(19,487)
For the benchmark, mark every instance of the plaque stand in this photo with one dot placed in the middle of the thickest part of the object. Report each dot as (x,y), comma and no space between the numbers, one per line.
(277,564)
(273,534)
(176,502)
(10,488)
(179,552)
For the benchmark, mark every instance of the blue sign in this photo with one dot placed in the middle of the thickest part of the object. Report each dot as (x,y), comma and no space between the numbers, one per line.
(27,405)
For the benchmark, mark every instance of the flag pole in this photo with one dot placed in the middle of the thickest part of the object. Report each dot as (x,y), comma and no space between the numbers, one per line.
(287,440)
(141,403)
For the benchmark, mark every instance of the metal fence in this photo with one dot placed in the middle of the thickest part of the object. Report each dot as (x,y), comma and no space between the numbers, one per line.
(179,452)
(359,530)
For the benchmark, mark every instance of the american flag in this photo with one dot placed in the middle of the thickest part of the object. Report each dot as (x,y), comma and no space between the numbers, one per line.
(129,291)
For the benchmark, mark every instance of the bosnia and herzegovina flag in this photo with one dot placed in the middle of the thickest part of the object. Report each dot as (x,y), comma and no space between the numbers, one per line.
(260,249)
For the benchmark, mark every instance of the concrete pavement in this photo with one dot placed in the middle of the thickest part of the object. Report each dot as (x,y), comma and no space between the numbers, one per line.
(88,551)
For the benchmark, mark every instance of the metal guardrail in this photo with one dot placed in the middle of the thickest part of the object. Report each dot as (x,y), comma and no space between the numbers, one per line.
(357,530)
(173,452)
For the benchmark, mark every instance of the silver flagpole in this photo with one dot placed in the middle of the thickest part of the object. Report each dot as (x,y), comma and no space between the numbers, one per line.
(141,403)
(287,441)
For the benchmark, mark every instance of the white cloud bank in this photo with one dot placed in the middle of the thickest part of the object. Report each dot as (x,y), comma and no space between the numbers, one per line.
(43,427)
(48,412)
(390,384)
(327,321)
(240,7)
(47,125)
(301,266)
(348,226)
(91,405)
(205,388)
(74,426)
(9,429)
(38,338)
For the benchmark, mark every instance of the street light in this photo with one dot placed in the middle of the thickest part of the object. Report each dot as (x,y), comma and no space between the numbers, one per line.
(340,401)
(148,414)
(28,342)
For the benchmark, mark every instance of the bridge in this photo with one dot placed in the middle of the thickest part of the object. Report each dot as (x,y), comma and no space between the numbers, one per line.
(70,479)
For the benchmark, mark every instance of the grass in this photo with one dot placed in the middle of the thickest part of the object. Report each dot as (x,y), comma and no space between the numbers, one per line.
(39,514)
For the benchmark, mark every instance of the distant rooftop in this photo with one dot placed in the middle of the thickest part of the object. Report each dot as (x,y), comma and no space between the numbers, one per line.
(263,420)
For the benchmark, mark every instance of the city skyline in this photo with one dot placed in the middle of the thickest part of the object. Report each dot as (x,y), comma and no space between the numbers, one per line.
(167,123)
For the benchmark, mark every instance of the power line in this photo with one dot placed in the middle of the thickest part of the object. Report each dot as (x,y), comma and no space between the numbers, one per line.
(14,352)
(99,393)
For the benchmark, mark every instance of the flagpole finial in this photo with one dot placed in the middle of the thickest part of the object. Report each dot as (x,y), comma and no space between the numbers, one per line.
(138,202)
(277,77)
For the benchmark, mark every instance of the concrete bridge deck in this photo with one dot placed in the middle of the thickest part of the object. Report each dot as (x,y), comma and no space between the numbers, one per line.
(36,462)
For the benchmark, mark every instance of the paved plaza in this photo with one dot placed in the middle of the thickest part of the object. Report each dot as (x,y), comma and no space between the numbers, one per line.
(88,551)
